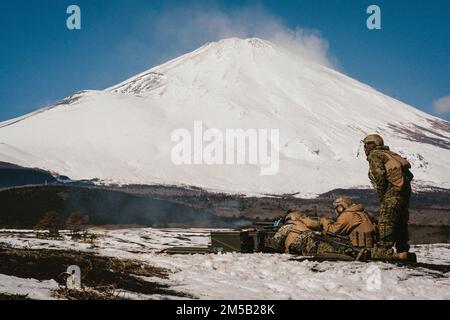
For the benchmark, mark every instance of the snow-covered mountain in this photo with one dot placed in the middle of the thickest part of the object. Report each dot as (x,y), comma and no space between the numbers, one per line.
(123,134)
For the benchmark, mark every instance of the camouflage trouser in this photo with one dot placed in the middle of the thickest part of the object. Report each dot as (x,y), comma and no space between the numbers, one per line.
(393,222)
(381,253)
(277,241)
(306,244)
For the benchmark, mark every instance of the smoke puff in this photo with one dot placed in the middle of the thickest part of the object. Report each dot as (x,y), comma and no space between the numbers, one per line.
(186,28)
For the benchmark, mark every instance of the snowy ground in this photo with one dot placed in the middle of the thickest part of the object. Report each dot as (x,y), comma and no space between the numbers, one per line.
(246,276)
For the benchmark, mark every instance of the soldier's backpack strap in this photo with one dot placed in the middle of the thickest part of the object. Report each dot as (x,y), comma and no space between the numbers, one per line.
(403,161)
(396,167)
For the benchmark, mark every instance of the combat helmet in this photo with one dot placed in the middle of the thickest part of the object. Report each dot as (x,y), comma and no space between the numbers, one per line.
(294,216)
(375,139)
(344,202)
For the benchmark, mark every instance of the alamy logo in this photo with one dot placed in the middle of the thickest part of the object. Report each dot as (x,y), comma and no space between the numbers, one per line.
(232,147)
(74,278)
(374,20)
(73,22)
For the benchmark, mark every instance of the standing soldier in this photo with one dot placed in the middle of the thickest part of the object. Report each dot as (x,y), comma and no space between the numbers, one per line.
(391,178)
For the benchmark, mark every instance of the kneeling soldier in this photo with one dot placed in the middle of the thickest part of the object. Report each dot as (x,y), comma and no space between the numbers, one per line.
(352,221)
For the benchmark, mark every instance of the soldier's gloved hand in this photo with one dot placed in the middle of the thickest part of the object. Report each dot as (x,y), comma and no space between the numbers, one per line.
(324,222)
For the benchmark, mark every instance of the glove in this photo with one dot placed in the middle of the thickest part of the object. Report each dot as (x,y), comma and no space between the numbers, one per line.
(324,222)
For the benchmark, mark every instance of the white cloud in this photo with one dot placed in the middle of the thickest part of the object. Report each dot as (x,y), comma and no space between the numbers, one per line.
(185,28)
(442,105)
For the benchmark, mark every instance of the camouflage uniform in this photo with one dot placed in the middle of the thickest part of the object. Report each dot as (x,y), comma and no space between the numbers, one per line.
(394,201)
(305,242)
(353,222)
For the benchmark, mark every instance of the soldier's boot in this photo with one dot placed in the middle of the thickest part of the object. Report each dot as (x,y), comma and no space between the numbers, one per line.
(401,256)
(405,257)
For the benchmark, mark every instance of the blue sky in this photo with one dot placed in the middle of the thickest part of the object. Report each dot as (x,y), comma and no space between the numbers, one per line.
(41,61)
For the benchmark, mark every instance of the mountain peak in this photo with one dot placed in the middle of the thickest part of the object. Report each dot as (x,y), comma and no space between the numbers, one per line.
(224,56)
(249,42)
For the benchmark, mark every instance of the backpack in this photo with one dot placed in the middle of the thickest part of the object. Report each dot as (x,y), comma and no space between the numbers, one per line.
(364,235)
(397,169)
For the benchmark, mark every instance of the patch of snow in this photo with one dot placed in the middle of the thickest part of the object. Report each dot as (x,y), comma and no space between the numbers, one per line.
(32,288)
(259,276)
